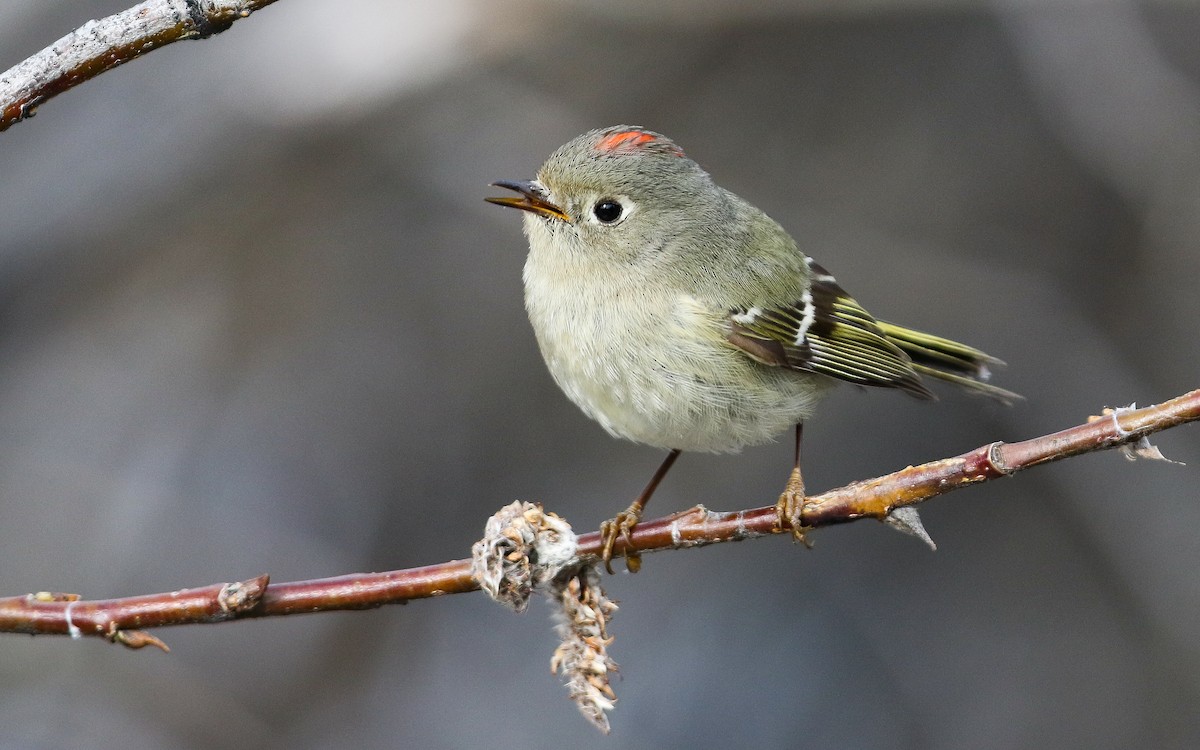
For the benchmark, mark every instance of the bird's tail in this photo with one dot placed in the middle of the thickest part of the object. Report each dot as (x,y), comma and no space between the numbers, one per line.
(948,360)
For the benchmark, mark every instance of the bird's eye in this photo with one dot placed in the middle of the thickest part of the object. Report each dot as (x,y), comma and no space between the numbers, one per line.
(607,211)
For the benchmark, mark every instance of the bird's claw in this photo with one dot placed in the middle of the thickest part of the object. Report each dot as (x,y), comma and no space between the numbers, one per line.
(621,527)
(790,508)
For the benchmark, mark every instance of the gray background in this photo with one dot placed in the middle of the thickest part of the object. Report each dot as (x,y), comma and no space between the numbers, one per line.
(255,317)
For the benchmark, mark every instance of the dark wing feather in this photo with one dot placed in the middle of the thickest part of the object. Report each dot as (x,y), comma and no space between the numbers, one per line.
(828,332)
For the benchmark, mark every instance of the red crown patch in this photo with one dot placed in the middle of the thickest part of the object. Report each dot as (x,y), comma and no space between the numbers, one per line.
(636,139)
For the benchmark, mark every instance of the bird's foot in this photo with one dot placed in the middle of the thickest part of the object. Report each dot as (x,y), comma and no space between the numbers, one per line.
(790,508)
(621,527)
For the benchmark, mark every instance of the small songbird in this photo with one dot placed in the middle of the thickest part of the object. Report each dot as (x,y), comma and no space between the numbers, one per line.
(678,315)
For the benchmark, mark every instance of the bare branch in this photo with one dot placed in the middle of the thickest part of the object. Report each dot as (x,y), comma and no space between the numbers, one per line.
(64,614)
(104,44)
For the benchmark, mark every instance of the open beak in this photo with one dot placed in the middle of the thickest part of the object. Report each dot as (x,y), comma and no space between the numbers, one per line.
(532,199)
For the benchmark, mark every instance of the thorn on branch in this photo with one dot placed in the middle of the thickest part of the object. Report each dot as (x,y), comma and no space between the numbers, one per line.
(1132,451)
(136,639)
(1143,448)
(906,520)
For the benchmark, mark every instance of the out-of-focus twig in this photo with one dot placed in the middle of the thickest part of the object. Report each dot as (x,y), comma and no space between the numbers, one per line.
(105,43)
(64,614)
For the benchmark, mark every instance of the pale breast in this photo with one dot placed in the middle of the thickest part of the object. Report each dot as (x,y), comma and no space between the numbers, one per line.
(654,367)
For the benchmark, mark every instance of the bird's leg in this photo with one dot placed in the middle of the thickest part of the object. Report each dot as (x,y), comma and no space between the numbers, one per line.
(791,503)
(622,525)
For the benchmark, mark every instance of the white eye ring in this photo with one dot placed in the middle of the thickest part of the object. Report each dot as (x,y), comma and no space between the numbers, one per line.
(610,210)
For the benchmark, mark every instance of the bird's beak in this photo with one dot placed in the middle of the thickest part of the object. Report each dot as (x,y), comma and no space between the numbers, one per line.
(532,198)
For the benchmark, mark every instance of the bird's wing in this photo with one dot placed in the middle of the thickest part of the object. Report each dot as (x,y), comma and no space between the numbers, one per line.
(825,331)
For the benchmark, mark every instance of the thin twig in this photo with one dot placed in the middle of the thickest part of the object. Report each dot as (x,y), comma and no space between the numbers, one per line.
(105,43)
(62,614)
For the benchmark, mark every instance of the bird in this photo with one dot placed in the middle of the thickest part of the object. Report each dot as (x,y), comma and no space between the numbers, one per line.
(679,316)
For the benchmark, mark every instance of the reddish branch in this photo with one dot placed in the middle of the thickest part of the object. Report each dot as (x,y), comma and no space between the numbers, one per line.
(121,620)
(104,44)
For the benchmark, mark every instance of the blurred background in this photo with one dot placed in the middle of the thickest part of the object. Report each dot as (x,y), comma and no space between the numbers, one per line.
(255,317)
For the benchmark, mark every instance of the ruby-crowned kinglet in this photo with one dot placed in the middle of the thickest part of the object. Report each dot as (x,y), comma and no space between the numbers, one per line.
(677,315)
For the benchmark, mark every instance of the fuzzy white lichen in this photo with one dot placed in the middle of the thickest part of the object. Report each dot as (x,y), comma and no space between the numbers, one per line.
(523,548)
(582,614)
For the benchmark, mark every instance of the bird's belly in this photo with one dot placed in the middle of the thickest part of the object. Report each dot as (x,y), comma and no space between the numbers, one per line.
(668,381)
